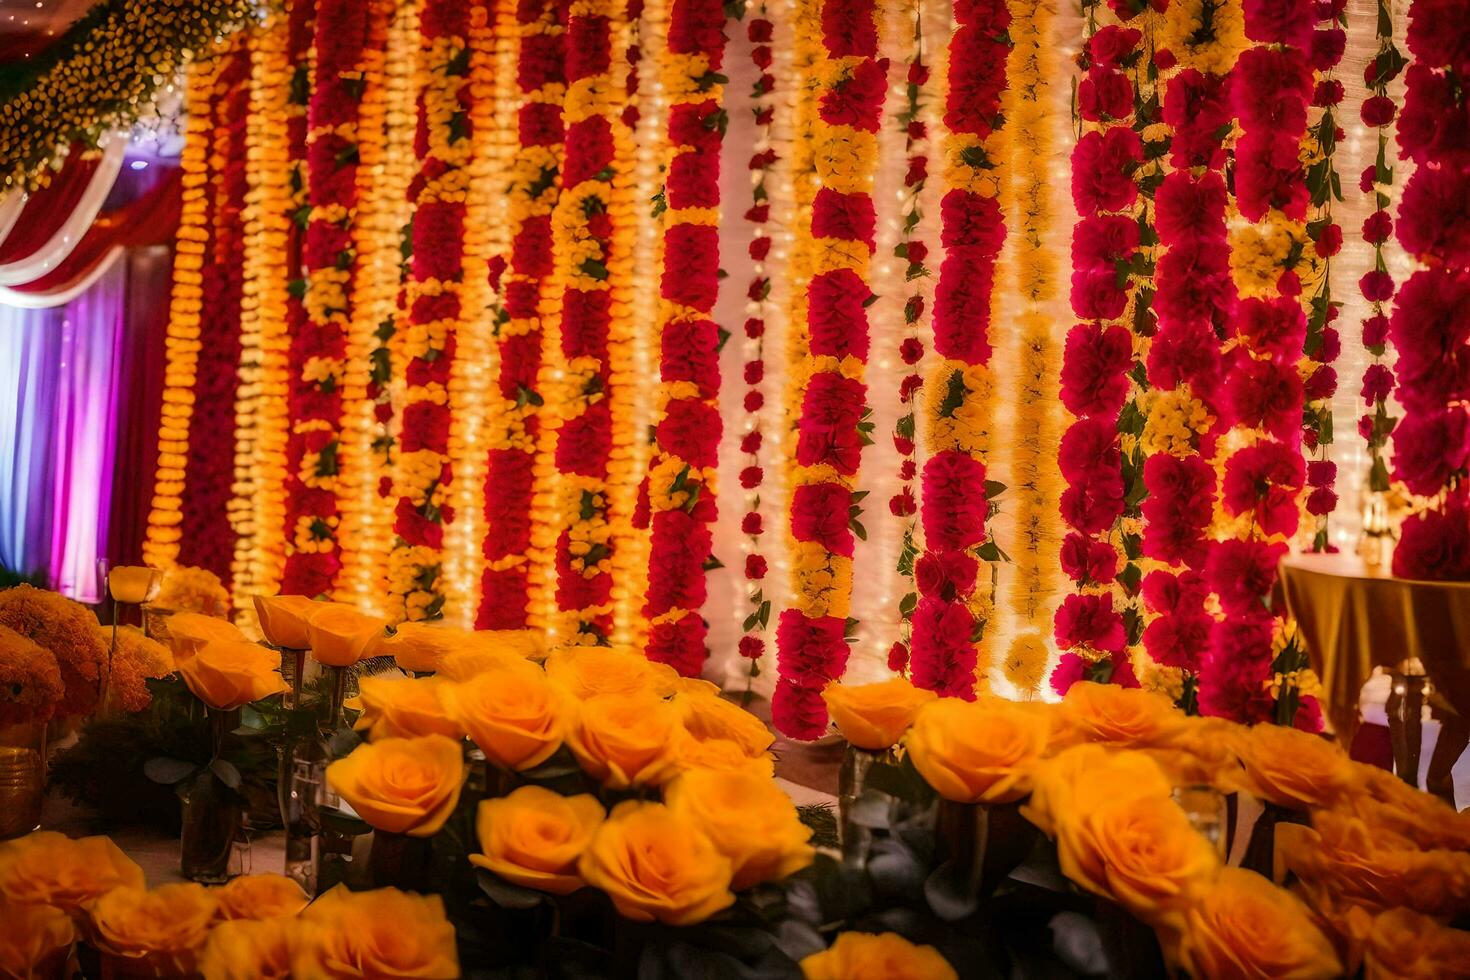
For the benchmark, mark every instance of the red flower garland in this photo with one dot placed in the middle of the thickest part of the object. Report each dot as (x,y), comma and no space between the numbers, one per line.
(317,348)
(1430,326)
(682,476)
(510,473)
(811,636)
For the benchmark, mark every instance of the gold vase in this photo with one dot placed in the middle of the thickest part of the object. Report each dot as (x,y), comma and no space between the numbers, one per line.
(22,778)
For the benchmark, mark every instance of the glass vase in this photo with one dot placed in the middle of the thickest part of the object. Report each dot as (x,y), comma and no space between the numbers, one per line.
(300,782)
(211,819)
(852,781)
(22,777)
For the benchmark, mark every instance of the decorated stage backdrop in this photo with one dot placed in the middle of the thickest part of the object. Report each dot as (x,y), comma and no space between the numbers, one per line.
(1001,343)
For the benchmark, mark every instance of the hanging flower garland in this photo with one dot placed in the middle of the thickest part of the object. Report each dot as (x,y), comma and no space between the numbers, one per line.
(257,504)
(913,252)
(1322,344)
(1376,286)
(760,307)
(812,636)
(1256,668)
(577,376)
(681,480)
(1030,110)
(161,544)
(436,313)
(1428,327)
(1193,304)
(1097,361)
(510,474)
(318,348)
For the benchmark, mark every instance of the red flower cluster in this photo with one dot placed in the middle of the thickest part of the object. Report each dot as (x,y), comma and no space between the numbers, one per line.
(1271,91)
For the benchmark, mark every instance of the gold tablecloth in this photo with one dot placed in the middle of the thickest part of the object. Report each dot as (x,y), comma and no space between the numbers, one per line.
(1355,618)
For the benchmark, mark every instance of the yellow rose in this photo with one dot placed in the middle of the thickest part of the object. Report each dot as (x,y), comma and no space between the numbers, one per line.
(626,739)
(1245,926)
(721,754)
(1393,808)
(1130,716)
(514,714)
(375,934)
(401,785)
(134,583)
(422,647)
(340,635)
(977,751)
(467,664)
(262,896)
(1140,851)
(161,931)
(881,956)
(521,644)
(709,717)
(589,671)
(283,619)
(1085,774)
(403,707)
(1402,943)
(225,674)
(50,868)
(188,631)
(1293,768)
(249,949)
(875,716)
(34,940)
(749,819)
(654,864)
(533,837)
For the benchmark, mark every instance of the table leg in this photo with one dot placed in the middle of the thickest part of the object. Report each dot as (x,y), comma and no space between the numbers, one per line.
(1454,735)
(1406,724)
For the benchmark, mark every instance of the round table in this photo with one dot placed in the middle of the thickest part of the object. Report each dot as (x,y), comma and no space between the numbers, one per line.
(1355,617)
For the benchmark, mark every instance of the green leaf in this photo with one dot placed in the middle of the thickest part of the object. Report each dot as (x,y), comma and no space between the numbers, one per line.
(168,771)
(954,394)
(226,772)
(993,489)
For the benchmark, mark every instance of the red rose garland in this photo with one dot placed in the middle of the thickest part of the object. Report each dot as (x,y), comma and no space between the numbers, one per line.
(915,253)
(1378,110)
(759,32)
(1251,670)
(1430,325)
(1096,362)
(422,469)
(318,347)
(811,636)
(954,607)
(525,290)
(682,472)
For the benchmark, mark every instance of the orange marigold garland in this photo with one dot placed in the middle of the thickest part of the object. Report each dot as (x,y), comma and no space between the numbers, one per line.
(435,312)
(510,478)
(811,637)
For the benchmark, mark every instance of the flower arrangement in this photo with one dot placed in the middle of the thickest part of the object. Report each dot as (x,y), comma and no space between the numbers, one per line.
(66,629)
(30,678)
(189,589)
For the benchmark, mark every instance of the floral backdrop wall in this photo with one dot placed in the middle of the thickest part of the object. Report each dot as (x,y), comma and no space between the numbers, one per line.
(1003,344)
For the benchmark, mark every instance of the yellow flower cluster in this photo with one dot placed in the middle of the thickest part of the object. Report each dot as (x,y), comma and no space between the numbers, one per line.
(189,589)
(68,630)
(259,925)
(30,678)
(1206,35)
(1260,253)
(1173,421)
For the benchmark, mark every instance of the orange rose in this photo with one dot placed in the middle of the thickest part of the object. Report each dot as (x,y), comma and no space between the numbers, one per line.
(283,619)
(710,716)
(34,940)
(884,956)
(589,671)
(160,931)
(1292,768)
(136,584)
(52,869)
(422,647)
(381,933)
(1244,926)
(1091,772)
(977,751)
(875,716)
(1405,944)
(1413,818)
(249,949)
(340,635)
(1140,851)
(188,631)
(656,865)
(749,819)
(513,713)
(468,663)
(1130,716)
(626,739)
(403,707)
(720,754)
(533,837)
(401,785)
(262,896)
(226,674)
